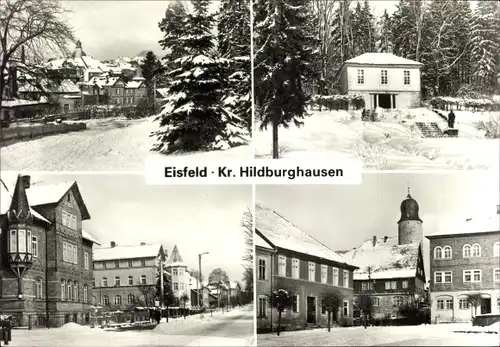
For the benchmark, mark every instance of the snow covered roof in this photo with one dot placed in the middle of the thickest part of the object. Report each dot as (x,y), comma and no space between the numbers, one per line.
(381,59)
(162,91)
(66,86)
(102,81)
(175,258)
(135,83)
(20,102)
(281,233)
(127,252)
(385,260)
(260,242)
(469,226)
(88,236)
(85,62)
(6,191)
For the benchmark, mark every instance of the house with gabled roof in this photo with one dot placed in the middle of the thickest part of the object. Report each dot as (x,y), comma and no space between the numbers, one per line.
(126,276)
(45,255)
(383,79)
(289,258)
(391,269)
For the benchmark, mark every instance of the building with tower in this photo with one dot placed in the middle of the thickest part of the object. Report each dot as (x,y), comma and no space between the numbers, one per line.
(465,270)
(391,269)
(45,255)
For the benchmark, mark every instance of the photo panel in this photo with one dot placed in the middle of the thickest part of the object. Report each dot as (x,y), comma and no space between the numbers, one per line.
(114,261)
(401,259)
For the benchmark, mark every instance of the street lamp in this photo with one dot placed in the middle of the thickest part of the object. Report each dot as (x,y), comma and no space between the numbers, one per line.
(200,285)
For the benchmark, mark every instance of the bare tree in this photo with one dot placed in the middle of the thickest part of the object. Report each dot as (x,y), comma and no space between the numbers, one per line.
(281,300)
(37,25)
(148,294)
(247,225)
(184,298)
(365,304)
(475,301)
(331,300)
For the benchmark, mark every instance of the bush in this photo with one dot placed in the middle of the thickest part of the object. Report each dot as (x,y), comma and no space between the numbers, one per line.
(445,103)
(338,102)
(491,128)
(345,322)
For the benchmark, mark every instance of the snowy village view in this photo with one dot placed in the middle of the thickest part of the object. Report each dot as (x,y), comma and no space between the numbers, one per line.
(409,84)
(93,261)
(82,89)
(416,266)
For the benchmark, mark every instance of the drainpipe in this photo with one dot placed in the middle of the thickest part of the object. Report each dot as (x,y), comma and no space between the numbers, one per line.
(47,323)
(271,282)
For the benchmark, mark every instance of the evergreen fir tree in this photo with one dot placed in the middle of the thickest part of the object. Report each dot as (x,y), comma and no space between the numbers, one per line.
(363,31)
(149,69)
(342,33)
(173,26)
(234,45)
(284,50)
(193,118)
(384,42)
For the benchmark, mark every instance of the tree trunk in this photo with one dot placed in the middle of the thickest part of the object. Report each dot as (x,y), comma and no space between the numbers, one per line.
(329,320)
(168,313)
(275,139)
(279,322)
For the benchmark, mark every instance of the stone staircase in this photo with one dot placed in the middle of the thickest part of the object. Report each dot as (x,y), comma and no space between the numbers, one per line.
(429,129)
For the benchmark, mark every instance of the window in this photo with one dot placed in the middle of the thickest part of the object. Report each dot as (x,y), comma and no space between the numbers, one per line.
(438,252)
(130,280)
(394,285)
(34,246)
(38,288)
(104,300)
(76,293)
(295,305)
(398,301)
(118,92)
(174,272)
(346,308)
(312,271)
(131,299)
(262,307)
(405,284)
(118,299)
(345,279)
(93,282)
(463,304)
(181,272)
(496,249)
(466,251)
(443,277)
(63,290)
(281,266)
(86,261)
(323,307)
(22,241)
(68,220)
(130,263)
(496,275)
(181,286)
(476,250)
(383,77)
(447,252)
(262,270)
(70,253)
(444,304)
(104,282)
(66,108)
(376,301)
(13,241)
(472,276)
(361,76)
(69,293)
(387,285)
(28,238)
(406,74)
(324,273)
(295,268)
(117,281)
(335,276)
(143,279)
(85,293)
(176,286)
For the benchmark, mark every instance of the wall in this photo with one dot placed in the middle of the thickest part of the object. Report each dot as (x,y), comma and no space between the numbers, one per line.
(395,79)
(15,134)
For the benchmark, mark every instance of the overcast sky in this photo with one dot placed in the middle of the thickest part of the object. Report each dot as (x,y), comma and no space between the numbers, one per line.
(343,216)
(195,218)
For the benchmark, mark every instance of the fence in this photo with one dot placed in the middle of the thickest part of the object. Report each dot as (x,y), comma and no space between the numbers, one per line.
(53,320)
(18,133)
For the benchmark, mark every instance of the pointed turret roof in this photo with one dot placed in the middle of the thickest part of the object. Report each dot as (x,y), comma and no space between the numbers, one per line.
(175,258)
(19,207)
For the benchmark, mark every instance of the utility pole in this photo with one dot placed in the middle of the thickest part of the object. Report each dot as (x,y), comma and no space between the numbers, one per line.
(200,284)
(162,290)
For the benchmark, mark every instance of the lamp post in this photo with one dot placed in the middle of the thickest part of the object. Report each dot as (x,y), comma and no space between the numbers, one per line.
(200,285)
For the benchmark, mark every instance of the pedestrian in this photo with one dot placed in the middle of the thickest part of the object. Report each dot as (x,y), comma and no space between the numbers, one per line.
(451,119)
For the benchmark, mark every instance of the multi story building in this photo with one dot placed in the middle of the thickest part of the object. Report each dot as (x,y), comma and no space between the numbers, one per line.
(288,258)
(383,79)
(182,281)
(465,268)
(126,276)
(112,90)
(46,256)
(391,269)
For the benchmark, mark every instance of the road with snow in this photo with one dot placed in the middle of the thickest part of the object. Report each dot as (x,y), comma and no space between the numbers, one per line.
(107,145)
(234,328)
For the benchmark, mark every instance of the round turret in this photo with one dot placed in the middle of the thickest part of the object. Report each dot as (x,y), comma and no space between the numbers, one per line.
(409,224)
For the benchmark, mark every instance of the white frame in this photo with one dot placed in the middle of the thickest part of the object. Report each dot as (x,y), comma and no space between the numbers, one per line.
(344,282)
(295,268)
(494,273)
(358,76)
(472,276)
(443,276)
(324,271)
(335,276)
(259,266)
(436,250)
(406,73)
(384,73)
(496,249)
(311,271)
(444,252)
(282,265)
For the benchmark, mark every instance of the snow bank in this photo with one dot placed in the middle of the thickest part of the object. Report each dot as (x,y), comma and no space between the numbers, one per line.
(69,327)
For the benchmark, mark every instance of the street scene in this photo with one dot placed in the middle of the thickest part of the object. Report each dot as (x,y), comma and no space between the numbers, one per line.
(75,96)
(401,85)
(420,265)
(112,259)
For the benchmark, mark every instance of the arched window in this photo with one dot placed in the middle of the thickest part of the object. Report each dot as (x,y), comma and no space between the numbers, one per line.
(466,251)
(447,252)
(63,290)
(496,249)
(131,299)
(104,282)
(38,288)
(104,300)
(118,299)
(94,301)
(143,279)
(69,293)
(75,292)
(438,252)
(476,250)
(85,293)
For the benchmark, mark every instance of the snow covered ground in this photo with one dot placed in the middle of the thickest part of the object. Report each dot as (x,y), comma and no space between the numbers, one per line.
(393,143)
(234,328)
(107,145)
(421,335)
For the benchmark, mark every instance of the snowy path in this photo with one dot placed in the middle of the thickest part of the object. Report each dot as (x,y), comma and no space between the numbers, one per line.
(393,143)
(234,328)
(107,145)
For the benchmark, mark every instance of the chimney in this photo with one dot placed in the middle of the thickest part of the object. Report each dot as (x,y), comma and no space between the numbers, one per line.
(498,209)
(113,244)
(374,240)
(26,181)
(143,243)
(385,238)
